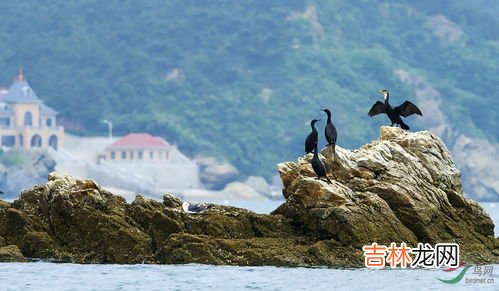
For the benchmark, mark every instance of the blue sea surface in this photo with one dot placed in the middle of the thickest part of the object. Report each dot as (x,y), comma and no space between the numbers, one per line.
(54,276)
(51,276)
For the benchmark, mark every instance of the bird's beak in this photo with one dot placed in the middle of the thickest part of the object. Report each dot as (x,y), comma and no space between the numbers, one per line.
(380,91)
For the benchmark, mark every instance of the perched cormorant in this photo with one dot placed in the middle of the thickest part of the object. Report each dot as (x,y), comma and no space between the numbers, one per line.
(330,131)
(394,113)
(1,192)
(312,138)
(318,166)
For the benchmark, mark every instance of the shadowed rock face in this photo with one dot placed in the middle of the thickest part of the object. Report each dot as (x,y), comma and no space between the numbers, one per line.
(401,188)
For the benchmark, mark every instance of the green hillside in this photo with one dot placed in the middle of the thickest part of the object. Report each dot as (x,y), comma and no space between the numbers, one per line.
(241,79)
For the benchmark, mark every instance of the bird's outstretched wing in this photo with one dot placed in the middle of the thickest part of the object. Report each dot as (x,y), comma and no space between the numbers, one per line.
(377,108)
(407,108)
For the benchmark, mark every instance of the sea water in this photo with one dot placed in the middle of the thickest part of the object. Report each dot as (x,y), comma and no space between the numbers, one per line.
(53,276)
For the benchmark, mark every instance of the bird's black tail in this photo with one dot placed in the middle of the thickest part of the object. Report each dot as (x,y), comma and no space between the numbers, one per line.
(403,125)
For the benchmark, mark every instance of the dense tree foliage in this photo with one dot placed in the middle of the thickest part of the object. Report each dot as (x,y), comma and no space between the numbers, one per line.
(241,79)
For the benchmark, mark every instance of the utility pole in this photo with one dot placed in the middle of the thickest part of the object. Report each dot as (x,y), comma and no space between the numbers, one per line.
(110,130)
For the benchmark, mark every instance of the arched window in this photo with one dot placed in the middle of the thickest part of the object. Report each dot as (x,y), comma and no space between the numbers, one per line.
(21,140)
(53,141)
(36,141)
(49,122)
(28,119)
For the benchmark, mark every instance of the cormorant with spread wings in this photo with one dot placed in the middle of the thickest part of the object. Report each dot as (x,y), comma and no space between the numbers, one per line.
(394,113)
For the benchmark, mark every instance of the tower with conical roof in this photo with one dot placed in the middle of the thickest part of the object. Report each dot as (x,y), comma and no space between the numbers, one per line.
(25,121)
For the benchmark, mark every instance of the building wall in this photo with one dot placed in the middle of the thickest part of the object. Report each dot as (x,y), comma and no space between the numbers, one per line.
(44,118)
(24,134)
(131,154)
(6,117)
(44,133)
(78,158)
(5,132)
(160,169)
(21,108)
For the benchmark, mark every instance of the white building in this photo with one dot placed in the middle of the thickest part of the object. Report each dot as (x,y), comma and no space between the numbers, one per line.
(154,158)
(142,163)
(25,121)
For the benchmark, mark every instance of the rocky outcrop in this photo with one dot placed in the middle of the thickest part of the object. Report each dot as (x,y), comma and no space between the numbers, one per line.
(401,188)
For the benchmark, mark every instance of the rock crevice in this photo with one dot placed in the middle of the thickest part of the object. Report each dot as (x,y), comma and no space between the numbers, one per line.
(403,187)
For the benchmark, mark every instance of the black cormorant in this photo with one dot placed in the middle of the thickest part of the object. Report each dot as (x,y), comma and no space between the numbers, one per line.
(330,131)
(312,138)
(318,166)
(394,113)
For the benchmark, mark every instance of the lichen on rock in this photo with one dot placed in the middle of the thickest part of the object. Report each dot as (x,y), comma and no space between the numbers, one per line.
(403,187)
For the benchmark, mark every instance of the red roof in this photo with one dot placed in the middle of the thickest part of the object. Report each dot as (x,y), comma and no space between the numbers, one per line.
(139,140)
